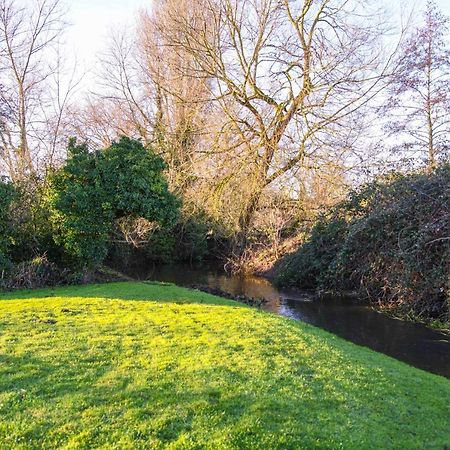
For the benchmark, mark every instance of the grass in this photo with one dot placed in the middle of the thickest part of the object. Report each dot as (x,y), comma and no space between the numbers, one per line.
(135,365)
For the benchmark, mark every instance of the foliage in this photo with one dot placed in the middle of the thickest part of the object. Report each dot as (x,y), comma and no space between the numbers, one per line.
(31,228)
(389,240)
(194,238)
(26,236)
(93,190)
(138,365)
(6,198)
(311,268)
(39,272)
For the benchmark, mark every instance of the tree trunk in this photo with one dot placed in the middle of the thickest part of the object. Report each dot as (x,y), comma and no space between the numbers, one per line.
(245,221)
(24,161)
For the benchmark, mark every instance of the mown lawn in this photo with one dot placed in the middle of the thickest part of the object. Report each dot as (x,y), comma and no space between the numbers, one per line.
(135,365)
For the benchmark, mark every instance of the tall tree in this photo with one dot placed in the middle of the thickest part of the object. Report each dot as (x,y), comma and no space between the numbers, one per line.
(419,100)
(182,107)
(290,79)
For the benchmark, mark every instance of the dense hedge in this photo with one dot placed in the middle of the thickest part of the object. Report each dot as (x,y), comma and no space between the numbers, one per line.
(390,241)
(110,205)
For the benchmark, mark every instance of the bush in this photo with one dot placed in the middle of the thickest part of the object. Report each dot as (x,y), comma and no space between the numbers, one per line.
(192,239)
(39,272)
(390,241)
(94,190)
(314,263)
(31,230)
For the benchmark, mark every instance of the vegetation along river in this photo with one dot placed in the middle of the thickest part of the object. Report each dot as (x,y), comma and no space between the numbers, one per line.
(412,343)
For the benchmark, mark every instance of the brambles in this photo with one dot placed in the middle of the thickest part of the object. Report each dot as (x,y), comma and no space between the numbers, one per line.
(390,240)
(39,272)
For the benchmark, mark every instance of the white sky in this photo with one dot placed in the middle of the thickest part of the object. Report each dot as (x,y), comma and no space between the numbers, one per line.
(91,20)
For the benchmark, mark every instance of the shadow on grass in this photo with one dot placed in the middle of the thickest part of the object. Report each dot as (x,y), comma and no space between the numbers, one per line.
(157,410)
(54,400)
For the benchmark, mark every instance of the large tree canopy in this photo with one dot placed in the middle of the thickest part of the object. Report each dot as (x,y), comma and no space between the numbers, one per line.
(94,189)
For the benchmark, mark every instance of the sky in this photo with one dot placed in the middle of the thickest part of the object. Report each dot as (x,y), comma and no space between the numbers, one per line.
(92,19)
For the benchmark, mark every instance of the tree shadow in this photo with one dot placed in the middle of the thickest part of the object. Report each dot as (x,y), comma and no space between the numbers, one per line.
(96,405)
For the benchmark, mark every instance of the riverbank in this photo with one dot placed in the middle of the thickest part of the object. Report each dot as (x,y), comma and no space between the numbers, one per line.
(264,265)
(153,365)
(389,241)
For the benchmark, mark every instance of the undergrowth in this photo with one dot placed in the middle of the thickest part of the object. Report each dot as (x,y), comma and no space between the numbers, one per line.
(389,240)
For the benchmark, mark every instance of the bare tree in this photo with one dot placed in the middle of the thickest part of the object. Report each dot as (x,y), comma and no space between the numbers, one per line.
(27,33)
(182,116)
(143,81)
(419,100)
(124,100)
(121,102)
(122,83)
(61,86)
(288,77)
(98,121)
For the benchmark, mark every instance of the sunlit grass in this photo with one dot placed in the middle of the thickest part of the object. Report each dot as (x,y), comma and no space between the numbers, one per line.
(134,365)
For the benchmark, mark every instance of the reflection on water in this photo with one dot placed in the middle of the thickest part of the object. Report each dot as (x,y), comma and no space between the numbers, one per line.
(413,343)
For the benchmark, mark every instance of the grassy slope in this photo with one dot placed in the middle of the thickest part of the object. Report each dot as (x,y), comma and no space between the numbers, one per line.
(134,365)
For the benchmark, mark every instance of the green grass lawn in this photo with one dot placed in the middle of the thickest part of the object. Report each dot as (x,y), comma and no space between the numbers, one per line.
(135,365)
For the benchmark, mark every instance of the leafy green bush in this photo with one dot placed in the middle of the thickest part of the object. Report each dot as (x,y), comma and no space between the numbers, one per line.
(94,189)
(390,240)
(310,267)
(31,230)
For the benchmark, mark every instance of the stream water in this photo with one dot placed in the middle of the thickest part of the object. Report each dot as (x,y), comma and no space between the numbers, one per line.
(412,343)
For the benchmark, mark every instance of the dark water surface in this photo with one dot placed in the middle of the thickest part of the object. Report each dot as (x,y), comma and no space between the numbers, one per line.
(413,343)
